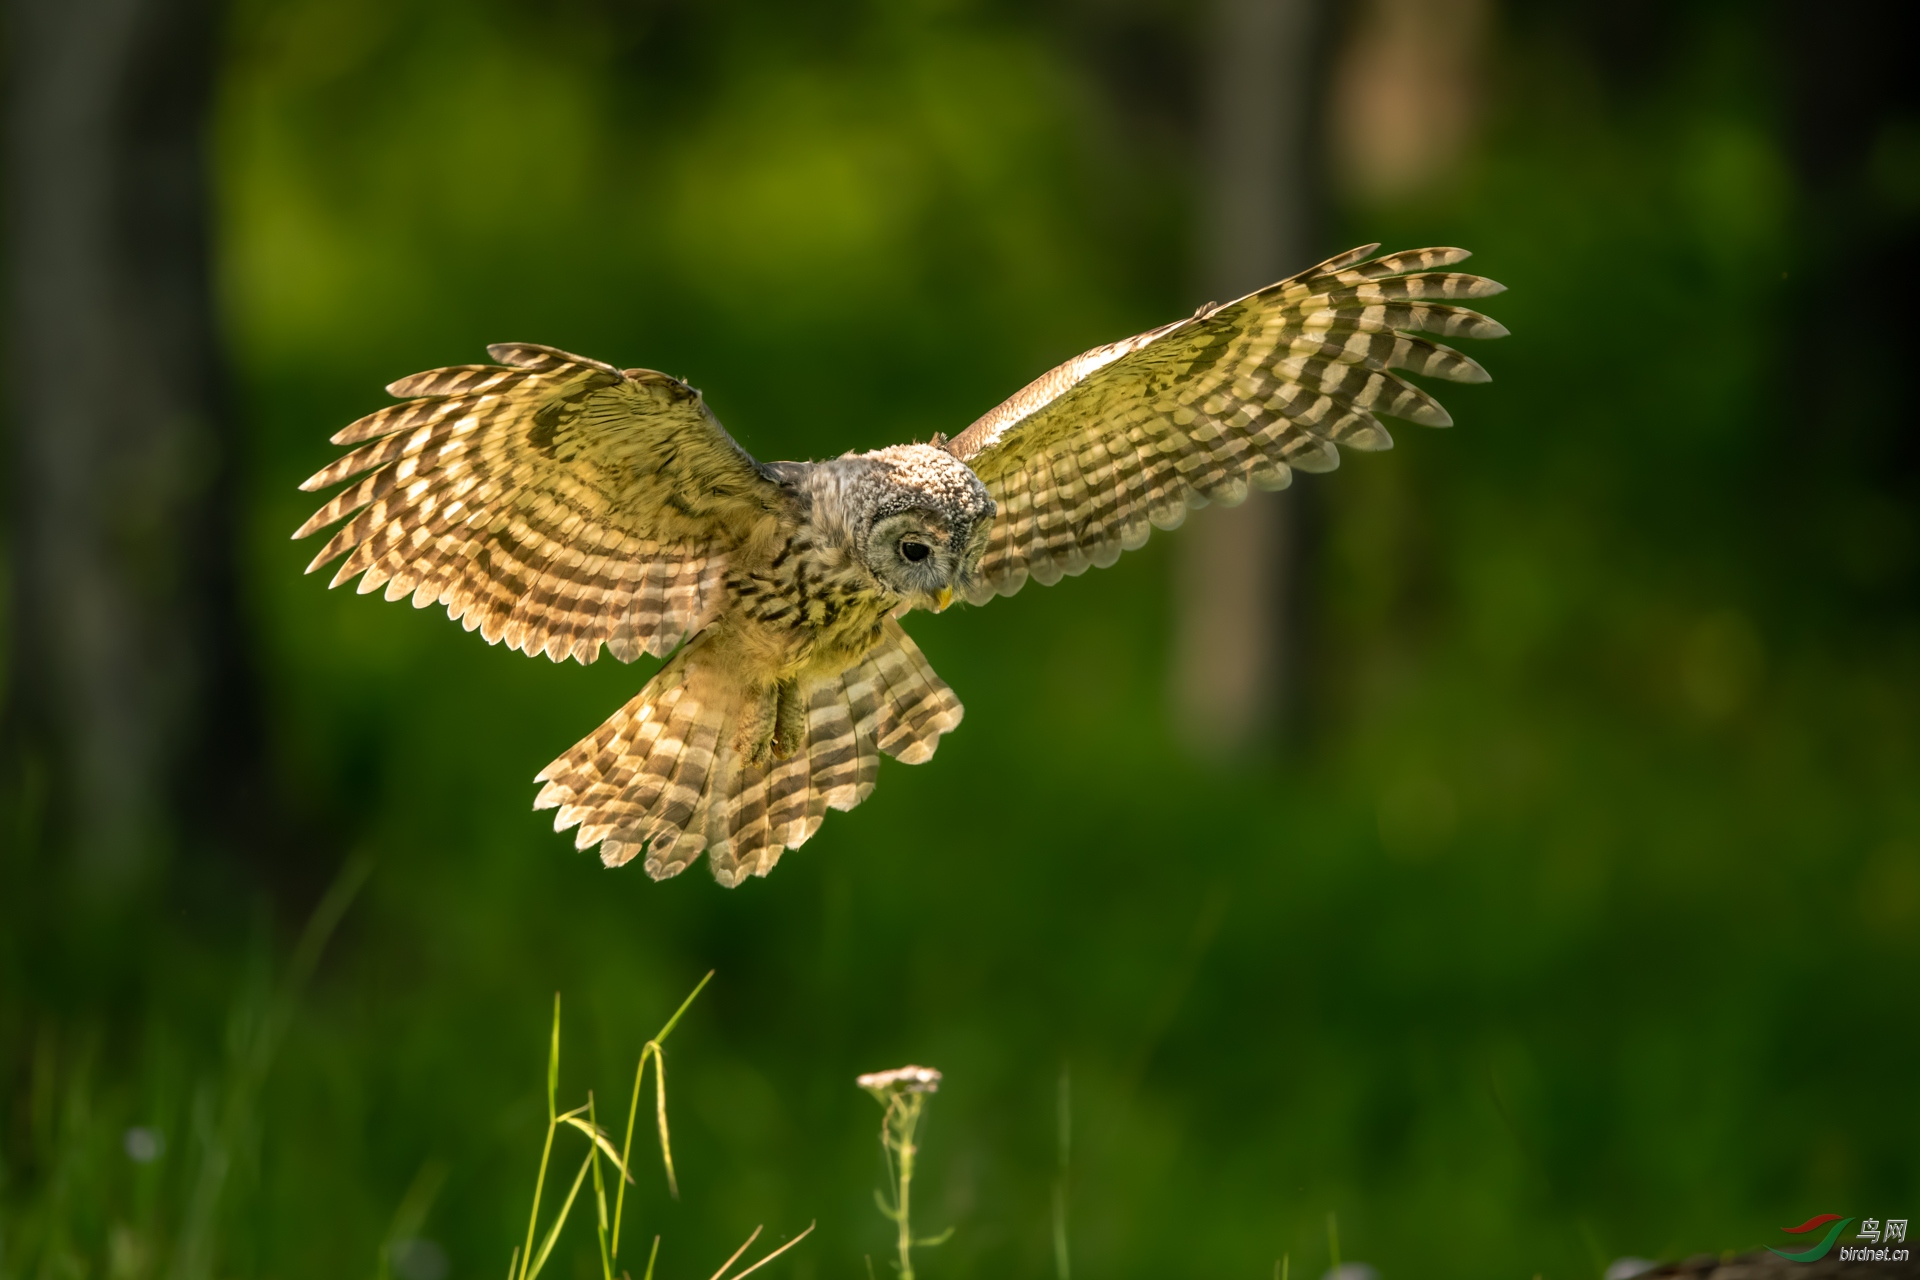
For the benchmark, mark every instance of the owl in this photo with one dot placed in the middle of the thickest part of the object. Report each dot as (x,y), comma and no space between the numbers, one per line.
(560,505)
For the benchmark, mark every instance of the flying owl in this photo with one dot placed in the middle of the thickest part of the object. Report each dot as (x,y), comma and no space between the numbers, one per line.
(560,504)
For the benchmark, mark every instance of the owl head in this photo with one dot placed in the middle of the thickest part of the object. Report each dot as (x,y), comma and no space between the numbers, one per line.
(921,522)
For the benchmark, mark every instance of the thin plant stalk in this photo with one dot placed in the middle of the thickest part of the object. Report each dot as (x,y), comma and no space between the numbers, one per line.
(777,1252)
(744,1245)
(599,1194)
(897,1129)
(546,1151)
(653,1049)
(566,1209)
(722,1272)
(529,1262)
(902,1119)
(901,1093)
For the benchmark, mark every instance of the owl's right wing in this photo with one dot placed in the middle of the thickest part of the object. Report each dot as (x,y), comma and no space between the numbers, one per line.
(1087,459)
(550,500)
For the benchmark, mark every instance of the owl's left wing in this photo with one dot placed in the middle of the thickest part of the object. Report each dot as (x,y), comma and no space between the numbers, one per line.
(550,501)
(1086,460)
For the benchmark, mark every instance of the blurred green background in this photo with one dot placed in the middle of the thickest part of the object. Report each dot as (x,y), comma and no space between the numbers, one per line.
(1576,913)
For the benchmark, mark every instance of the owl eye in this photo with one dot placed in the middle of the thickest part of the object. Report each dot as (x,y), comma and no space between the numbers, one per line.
(915,551)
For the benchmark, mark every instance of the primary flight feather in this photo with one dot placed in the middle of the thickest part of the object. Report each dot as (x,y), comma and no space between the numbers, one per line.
(560,504)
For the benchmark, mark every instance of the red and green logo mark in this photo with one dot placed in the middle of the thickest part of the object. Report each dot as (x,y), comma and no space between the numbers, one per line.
(1818,1251)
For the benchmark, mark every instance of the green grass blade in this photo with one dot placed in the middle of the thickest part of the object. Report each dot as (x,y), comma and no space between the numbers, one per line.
(626,1149)
(539,1190)
(566,1208)
(600,1139)
(546,1151)
(553,1062)
(684,1004)
(660,1110)
(599,1187)
(652,1048)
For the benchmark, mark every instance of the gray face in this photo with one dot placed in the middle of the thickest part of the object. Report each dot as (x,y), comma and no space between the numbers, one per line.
(913,552)
(927,523)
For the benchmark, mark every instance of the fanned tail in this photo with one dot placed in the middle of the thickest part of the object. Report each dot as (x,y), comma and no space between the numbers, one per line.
(662,775)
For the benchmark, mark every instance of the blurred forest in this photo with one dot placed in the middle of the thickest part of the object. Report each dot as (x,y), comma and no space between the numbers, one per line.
(1569,910)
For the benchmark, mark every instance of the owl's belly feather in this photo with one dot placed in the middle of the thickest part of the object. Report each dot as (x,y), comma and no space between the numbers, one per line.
(804,613)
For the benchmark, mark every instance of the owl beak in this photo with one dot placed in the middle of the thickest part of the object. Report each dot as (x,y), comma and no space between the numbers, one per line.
(942,599)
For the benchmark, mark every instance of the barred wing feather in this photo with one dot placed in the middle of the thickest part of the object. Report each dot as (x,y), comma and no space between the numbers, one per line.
(1090,457)
(550,501)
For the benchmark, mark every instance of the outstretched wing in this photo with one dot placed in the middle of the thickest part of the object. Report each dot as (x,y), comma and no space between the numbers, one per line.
(1086,460)
(550,500)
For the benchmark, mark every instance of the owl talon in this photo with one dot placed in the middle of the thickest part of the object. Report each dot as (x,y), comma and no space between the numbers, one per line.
(775,729)
(789,722)
(752,737)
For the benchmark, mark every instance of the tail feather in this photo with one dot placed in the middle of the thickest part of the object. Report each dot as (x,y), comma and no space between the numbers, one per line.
(915,707)
(791,820)
(678,831)
(661,777)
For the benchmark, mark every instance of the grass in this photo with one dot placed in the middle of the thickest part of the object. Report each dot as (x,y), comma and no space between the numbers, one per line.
(89,1213)
(91,1195)
(527,1263)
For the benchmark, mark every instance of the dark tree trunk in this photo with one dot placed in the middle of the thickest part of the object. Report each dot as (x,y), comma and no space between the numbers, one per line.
(130,718)
(1236,653)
